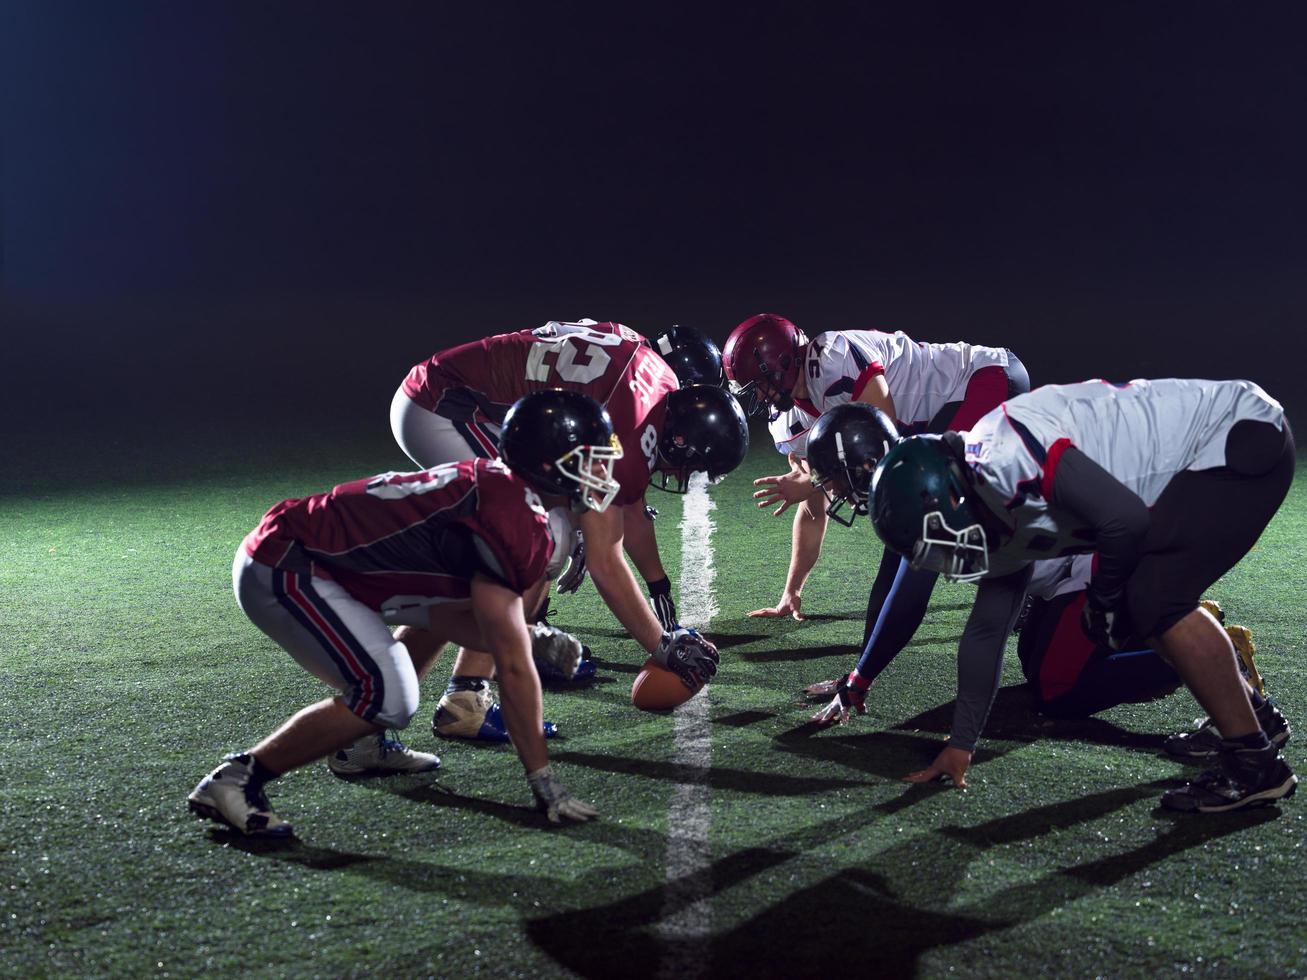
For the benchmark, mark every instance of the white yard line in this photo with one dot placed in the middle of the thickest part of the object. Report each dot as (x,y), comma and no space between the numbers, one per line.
(686,923)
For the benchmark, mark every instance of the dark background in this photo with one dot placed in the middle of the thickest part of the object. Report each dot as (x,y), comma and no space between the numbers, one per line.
(240,214)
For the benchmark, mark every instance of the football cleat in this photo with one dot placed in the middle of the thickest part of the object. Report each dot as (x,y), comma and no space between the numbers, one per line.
(476,716)
(1242,639)
(1247,777)
(230,795)
(586,671)
(558,655)
(376,755)
(1214,607)
(1204,742)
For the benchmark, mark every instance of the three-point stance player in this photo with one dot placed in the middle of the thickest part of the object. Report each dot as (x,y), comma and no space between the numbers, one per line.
(920,387)
(1131,473)
(450,406)
(454,551)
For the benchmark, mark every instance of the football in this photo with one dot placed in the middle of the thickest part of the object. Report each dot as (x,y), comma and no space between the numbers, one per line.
(658,689)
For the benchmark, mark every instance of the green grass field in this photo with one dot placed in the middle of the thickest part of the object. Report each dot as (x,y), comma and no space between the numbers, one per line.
(127,671)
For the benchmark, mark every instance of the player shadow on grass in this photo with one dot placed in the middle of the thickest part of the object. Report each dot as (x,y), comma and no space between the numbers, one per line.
(906,893)
(714,777)
(1015,717)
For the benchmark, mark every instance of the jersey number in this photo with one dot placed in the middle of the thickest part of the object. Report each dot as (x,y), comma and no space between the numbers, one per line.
(394,486)
(566,364)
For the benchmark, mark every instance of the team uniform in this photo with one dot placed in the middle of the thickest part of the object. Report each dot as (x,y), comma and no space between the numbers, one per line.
(934,386)
(789,430)
(326,575)
(1071,675)
(451,405)
(1211,460)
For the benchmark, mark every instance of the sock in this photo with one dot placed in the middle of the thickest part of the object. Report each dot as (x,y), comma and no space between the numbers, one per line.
(1255,742)
(259,773)
(1257,700)
(464,683)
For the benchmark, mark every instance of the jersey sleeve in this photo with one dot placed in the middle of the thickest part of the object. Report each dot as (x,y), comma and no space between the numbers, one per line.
(789,431)
(511,532)
(838,369)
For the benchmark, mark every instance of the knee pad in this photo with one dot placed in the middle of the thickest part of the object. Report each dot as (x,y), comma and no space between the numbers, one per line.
(401,699)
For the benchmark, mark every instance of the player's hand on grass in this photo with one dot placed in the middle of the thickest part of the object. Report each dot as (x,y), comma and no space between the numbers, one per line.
(553,799)
(789,488)
(951,762)
(791,604)
(848,695)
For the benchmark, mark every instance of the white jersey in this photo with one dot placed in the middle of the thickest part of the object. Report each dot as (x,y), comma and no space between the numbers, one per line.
(1143,433)
(789,431)
(922,378)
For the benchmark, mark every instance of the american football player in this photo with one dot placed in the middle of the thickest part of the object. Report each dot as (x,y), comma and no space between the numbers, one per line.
(919,387)
(1129,472)
(452,553)
(450,406)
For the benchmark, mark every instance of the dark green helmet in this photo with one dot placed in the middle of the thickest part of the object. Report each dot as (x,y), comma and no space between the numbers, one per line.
(924,506)
(843,448)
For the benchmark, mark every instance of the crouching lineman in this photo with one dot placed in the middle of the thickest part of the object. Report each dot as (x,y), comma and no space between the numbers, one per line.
(450,407)
(457,549)
(919,386)
(1132,473)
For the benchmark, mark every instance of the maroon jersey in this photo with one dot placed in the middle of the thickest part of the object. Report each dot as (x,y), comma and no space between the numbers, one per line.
(607,361)
(410,539)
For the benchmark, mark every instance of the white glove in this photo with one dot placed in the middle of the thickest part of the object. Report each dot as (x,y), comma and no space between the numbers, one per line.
(553,800)
(557,648)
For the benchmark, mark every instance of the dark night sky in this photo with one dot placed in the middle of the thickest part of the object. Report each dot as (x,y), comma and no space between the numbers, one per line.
(297,201)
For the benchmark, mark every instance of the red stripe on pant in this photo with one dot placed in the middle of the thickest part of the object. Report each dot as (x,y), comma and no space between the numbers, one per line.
(986,390)
(367,692)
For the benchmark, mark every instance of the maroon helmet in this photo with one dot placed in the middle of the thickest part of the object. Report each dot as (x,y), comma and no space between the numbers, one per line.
(765,349)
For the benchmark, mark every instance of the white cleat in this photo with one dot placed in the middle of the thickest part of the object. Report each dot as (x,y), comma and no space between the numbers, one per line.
(228,796)
(376,755)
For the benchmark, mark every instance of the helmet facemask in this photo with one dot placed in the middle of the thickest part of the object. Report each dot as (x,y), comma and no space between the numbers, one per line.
(847,485)
(591,469)
(959,555)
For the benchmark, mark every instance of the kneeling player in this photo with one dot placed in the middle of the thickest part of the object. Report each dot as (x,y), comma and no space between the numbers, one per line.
(1074,677)
(1129,472)
(456,550)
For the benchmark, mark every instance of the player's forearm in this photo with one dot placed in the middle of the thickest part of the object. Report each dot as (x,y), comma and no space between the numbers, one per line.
(618,588)
(519,696)
(805,543)
(641,543)
(980,654)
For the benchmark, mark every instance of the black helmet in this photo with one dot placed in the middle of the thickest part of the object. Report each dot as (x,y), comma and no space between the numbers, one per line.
(843,448)
(693,358)
(553,439)
(924,506)
(703,431)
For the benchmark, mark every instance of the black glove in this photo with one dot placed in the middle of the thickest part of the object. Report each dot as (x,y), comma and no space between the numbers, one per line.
(574,576)
(1104,622)
(689,656)
(660,594)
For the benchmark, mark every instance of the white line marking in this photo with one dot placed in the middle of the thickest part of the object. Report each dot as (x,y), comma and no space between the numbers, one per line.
(686,924)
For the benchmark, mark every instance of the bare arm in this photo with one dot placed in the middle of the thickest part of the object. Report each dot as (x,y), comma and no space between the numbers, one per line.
(641,543)
(805,548)
(877,395)
(613,578)
(499,613)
